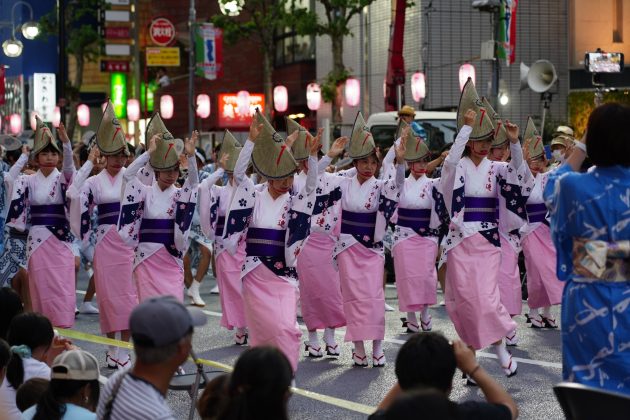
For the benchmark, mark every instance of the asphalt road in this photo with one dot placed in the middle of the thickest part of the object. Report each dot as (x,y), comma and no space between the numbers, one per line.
(538,354)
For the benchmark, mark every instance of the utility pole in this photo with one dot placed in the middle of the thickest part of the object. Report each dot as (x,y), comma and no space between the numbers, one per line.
(61,80)
(136,70)
(191,68)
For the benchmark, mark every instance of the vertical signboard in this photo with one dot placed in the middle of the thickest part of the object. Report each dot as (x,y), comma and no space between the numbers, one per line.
(44,95)
(118,94)
(209,51)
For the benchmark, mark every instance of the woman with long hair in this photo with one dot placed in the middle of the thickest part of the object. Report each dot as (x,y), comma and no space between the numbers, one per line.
(592,239)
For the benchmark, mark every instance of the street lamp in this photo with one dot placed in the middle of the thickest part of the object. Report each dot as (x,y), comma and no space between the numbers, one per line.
(231,7)
(12,47)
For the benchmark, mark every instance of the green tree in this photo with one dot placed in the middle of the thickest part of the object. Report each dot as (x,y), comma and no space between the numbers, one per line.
(335,23)
(260,20)
(83,42)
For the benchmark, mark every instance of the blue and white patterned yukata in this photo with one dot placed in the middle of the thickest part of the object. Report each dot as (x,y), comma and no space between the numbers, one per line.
(590,211)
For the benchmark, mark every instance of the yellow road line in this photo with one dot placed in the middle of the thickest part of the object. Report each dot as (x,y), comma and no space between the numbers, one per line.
(338,402)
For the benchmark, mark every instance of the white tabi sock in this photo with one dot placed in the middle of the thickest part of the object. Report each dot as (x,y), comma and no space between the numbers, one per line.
(329,336)
(359,348)
(241,330)
(411,317)
(425,313)
(502,354)
(313,340)
(547,311)
(377,348)
(533,313)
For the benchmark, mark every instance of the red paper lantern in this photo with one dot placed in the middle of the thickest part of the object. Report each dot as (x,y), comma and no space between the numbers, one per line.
(133,110)
(280,98)
(418,86)
(83,115)
(353,91)
(313,96)
(166,106)
(203,106)
(15,123)
(465,71)
(56,119)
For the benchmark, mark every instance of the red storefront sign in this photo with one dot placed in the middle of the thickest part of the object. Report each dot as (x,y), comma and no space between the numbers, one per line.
(115,66)
(117,32)
(162,31)
(232,115)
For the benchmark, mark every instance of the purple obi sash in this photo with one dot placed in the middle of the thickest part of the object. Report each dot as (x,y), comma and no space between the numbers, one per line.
(480,209)
(536,212)
(161,231)
(108,213)
(218,231)
(414,218)
(265,242)
(48,215)
(358,223)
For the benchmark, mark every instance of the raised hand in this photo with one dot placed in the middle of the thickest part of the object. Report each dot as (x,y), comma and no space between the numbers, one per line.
(469,117)
(337,147)
(190,143)
(254,130)
(63,135)
(316,142)
(401,148)
(292,138)
(512,131)
(224,160)
(25,149)
(95,154)
(153,144)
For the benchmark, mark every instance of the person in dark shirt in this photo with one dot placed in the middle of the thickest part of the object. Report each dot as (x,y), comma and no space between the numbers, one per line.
(425,364)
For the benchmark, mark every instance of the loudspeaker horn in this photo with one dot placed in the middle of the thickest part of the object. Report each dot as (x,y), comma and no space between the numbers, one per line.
(540,77)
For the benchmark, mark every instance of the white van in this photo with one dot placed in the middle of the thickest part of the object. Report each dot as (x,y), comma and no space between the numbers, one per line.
(441,128)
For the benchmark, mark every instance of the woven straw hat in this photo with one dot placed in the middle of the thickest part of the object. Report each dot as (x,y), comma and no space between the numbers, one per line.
(271,156)
(482,128)
(562,139)
(500,134)
(233,148)
(110,137)
(407,110)
(535,147)
(300,148)
(10,143)
(361,140)
(43,137)
(166,155)
(416,148)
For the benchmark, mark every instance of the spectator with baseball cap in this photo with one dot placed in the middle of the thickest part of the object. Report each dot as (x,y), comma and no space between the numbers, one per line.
(562,143)
(161,329)
(73,390)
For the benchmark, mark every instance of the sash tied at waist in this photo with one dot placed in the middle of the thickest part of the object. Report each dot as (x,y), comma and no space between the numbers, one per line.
(358,223)
(480,209)
(265,242)
(414,218)
(48,215)
(536,212)
(108,213)
(161,231)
